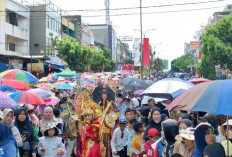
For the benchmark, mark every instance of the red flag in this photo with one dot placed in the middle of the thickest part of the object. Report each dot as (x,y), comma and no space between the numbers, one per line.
(103,68)
(50,66)
(146,52)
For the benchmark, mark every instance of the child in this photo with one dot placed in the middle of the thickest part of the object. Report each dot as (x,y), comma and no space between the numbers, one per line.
(136,145)
(153,136)
(131,135)
(50,145)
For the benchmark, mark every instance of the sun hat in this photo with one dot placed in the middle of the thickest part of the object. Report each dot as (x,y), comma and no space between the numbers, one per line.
(152,132)
(187,134)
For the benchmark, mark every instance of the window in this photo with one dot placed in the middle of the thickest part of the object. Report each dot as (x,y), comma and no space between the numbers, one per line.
(47,21)
(13,19)
(11,46)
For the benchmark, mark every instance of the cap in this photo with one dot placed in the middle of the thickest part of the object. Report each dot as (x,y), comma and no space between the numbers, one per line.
(152,132)
(122,121)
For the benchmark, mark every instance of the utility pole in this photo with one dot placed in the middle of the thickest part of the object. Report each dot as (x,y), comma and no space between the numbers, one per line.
(141,36)
(107,5)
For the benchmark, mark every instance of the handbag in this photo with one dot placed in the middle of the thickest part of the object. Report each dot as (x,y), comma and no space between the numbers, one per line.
(26,146)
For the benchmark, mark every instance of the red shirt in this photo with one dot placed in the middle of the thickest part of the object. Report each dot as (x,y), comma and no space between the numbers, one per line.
(150,152)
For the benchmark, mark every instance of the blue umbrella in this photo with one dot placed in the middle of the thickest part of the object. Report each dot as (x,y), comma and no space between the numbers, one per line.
(6,88)
(177,93)
(64,86)
(216,98)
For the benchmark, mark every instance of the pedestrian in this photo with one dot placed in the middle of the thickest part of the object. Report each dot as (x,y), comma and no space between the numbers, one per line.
(153,136)
(26,131)
(169,131)
(136,145)
(47,118)
(184,124)
(131,135)
(214,150)
(184,144)
(8,118)
(134,103)
(122,109)
(50,145)
(134,114)
(228,136)
(120,139)
(119,100)
(128,115)
(204,135)
(7,141)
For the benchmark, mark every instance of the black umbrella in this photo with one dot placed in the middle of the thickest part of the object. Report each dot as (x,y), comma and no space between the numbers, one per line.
(100,90)
(134,83)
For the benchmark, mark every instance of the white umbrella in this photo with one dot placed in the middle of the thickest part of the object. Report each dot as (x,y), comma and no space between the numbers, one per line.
(166,87)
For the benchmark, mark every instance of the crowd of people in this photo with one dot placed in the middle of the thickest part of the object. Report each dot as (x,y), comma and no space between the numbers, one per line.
(129,127)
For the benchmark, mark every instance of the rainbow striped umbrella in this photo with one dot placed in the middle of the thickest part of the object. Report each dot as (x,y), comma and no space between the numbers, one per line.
(18,75)
(6,101)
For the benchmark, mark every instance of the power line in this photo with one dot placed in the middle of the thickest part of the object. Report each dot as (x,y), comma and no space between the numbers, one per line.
(129,14)
(131,8)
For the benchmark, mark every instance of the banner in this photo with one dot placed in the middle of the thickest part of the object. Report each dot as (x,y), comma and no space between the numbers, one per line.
(194,45)
(146,52)
(137,61)
(35,67)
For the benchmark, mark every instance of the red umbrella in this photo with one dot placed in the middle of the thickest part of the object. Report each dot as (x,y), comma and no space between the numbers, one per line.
(27,98)
(198,80)
(18,85)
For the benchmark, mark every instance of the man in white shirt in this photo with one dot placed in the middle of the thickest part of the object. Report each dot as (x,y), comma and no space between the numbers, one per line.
(120,139)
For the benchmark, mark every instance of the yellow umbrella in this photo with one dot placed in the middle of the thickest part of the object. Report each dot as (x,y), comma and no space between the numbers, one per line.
(44,79)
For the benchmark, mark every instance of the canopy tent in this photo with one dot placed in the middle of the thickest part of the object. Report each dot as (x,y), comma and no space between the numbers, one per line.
(66,72)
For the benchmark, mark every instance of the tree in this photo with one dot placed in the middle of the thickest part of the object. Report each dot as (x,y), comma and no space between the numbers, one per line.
(76,55)
(158,64)
(217,46)
(129,61)
(206,68)
(184,62)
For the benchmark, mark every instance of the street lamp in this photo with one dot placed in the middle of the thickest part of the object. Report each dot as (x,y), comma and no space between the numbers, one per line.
(144,33)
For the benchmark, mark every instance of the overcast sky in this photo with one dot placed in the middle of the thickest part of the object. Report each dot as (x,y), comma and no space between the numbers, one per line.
(172,29)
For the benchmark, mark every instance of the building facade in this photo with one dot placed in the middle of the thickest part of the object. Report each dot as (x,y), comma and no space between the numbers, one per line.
(14,32)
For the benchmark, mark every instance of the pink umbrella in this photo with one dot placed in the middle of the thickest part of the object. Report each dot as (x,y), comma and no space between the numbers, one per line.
(139,92)
(198,80)
(52,101)
(99,74)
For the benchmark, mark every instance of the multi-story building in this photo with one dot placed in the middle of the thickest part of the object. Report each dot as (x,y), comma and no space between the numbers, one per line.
(67,28)
(187,47)
(105,35)
(14,32)
(87,36)
(45,23)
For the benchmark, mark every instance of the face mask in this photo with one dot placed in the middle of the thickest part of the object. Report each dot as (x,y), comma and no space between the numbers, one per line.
(181,131)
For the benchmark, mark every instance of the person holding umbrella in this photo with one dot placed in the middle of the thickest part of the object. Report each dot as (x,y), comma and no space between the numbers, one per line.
(227,135)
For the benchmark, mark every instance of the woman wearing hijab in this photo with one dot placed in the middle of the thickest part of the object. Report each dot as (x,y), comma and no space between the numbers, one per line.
(26,130)
(155,122)
(134,103)
(47,118)
(7,141)
(166,144)
(184,124)
(204,135)
(8,118)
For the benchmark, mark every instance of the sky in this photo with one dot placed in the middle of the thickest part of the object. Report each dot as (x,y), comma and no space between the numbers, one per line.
(172,29)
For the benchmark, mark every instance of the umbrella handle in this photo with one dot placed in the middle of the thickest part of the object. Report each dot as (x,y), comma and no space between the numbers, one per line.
(227,129)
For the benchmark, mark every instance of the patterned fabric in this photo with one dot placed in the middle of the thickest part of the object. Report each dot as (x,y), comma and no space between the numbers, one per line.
(224,144)
(136,145)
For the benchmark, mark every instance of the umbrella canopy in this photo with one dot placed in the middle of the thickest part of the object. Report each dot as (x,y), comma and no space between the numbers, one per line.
(41,93)
(18,85)
(61,78)
(18,75)
(66,72)
(52,101)
(45,86)
(133,82)
(139,92)
(1,78)
(6,88)
(212,97)
(6,101)
(86,83)
(99,74)
(44,79)
(198,80)
(27,98)
(165,87)
(64,86)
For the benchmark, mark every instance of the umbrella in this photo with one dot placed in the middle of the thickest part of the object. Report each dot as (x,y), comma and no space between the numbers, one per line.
(86,83)
(18,75)
(44,79)
(6,101)
(165,87)
(62,82)
(133,82)
(99,74)
(27,98)
(198,80)
(41,93)
(66,72)
(6,88)
(64,86)
(61,78)
(139,92)
(1,78)
(52,101)
(18,85)
(45,86)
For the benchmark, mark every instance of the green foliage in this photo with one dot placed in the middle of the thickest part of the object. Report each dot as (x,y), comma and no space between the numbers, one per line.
(79,57)
(182,63)
(129,61)
(158,64)
(216,46)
